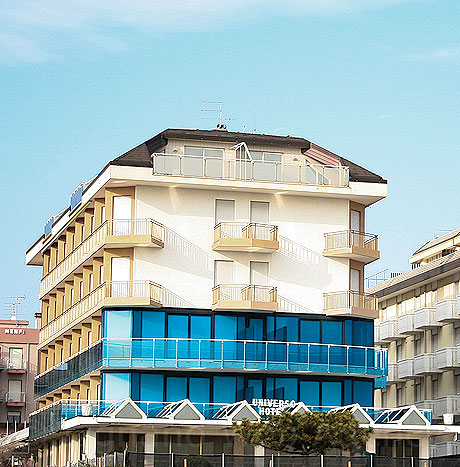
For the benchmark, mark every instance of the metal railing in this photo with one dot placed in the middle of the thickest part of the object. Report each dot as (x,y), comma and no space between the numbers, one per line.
(351,238)
(243,292)
(348,299)
(95,299)
(16,364)
(94,242)
(243,354)
(249,170)
(18,397)
(244,230)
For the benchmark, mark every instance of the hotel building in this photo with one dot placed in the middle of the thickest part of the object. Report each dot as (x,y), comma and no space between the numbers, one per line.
(419,325)
(200,278)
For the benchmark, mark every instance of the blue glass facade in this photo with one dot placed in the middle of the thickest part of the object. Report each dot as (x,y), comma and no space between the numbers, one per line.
(167,340)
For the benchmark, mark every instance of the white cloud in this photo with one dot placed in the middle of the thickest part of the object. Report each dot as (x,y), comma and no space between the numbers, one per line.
(26,23)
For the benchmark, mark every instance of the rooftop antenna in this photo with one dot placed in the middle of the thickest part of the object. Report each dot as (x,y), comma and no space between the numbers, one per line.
(12,306)
(221,125)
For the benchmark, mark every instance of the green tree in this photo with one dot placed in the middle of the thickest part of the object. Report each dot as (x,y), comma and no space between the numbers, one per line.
(310,433)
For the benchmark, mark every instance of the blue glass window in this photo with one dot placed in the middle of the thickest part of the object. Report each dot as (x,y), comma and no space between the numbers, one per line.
(287,329)
(310,331)
(363,393)
(363,333)
(348,392)
(332,332)
(176,388)
(255,329)
(153,324)
(285,388)
(309,392)
(200,327)
(178,326)
(226,388)
(116,386)
(118,323)
(254,389)
(199,390)
(225,327)
(331,393)
(151,387)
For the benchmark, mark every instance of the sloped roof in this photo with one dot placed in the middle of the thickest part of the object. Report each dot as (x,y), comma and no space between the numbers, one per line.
(140,155)
(437,241)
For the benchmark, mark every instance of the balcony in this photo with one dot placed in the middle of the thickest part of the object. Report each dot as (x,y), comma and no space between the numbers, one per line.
(15,399)
(351,244)
(447,358)
(393,373)
(116,233)
(350,303)
(406,368)
(425,318)
(388,330)
(241,167)
(425,364)
(446,404)
(426,405)
(75,367)
(16,366)
(133,293)
(244,355)
(447,311)
(406,324)
(253,237)
(244,297)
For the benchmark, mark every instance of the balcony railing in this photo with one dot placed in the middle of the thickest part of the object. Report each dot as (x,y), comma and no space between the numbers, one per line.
(447,358)
(447,310)
(15,397)
(392,373)
(299,173)
(111,293)
(388,330)
(406,368)
(241,296)
(75,367)
(352,244)
(238,236)
(351,303)
(246,355)
(406,324)
(110,231)
(425,318)
(446,404)
(425,364)
(14,364)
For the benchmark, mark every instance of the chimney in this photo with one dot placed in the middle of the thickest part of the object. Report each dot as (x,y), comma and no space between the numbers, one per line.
(38,320)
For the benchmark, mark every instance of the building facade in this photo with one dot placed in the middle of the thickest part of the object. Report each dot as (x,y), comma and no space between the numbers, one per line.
(202,276)
(419,325)
(18,365)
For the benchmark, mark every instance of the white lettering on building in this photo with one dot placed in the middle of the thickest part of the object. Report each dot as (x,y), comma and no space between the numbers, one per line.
(272,406)
(15,331)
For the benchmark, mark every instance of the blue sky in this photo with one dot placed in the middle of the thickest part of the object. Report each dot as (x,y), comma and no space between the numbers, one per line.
(376,81)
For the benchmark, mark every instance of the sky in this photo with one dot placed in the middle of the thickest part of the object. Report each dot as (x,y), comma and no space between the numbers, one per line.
(81,82)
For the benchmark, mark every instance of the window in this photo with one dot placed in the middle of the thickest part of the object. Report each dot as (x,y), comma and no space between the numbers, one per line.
(91,282)
(224,210)
(90,337)
(92,224)
(63,304)
(102,214)
(101,274)
(259,212)
(176,388)
(355,280)
(15,390)
(418,346)
(355,220)
(81,290)
(399,349)
(61,354)
(88,395)
(266,156)
(331,393)
(309,392)
(15,358)
(72,296)
(79,344)
(204,152)
(434,387)
(118,323)
(434,340)
(399,396)
(418,391)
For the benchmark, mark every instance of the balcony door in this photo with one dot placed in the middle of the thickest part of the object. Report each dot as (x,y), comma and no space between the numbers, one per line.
(15,390)
(225,210)
(355,220)
(120,276)
(15,358)
(121,215)
(355,280)
(260,212)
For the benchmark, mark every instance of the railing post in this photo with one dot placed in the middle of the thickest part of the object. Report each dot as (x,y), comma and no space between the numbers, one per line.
(223,460)
(244,354)
(222,355)
(266,355)
(172,459)
(287,357)
(328,358)
(321,461)
(348,359)
(177,351)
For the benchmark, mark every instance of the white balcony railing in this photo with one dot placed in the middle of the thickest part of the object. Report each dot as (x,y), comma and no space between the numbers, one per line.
(242,292)
(447,357)
(388,330)
(406,324)
(425,318)
(15,397)
(425,364)
(91,244)
(349,239)
(16,364)
(446,404)
(249,170)
(392,373)
(446,310)
(406,368)
(349,299)
(240,230)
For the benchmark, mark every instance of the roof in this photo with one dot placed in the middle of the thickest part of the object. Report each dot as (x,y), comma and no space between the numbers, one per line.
(422,273)
(437,241)
(140,156)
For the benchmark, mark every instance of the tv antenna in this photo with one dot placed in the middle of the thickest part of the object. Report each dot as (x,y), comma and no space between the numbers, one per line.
(12,306)
(221,125)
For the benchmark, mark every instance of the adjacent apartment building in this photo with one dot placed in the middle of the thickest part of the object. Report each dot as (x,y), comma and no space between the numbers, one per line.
(419,324)
(202,277)
(18,368)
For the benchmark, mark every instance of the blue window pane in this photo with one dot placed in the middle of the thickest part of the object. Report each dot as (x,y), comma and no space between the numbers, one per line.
(176,388)
(153,324)
(225,327)
(200,327)
(116,386)
(332,332)
(363,393)
(151,387)
(348,332)
(270,328)
(199,390)
(270,388)
(287,329)
(310,331)
(331,393)
(255,330)
(309,393)
(347,392)
(363,333)
(118,323)
(224,389)
(178,326)
(254,389)
(286,388)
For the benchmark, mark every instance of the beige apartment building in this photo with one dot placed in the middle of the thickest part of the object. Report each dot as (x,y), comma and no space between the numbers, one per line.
(18,365)
(419,324)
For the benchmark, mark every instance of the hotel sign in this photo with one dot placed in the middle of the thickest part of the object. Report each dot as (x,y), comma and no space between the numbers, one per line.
(15,331)
(273,406)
